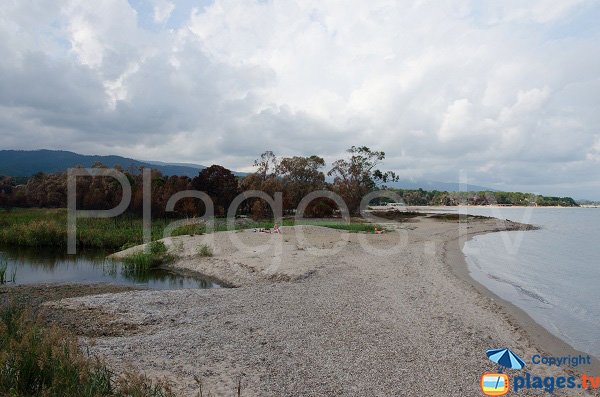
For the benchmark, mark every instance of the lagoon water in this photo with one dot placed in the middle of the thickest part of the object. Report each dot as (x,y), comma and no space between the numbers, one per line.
(553,273)
(46,266)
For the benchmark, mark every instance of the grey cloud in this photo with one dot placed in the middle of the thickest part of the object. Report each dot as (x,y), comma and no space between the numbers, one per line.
(493,91)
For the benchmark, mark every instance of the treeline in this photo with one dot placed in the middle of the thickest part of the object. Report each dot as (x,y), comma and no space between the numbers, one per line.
(353,177)
(423,197)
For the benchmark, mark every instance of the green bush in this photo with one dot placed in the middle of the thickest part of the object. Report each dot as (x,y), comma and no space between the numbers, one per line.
(158,248)
(204,250)
(155,255)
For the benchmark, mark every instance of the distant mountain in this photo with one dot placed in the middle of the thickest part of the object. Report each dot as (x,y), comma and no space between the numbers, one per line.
(434,185)
(23,163)
(191,165)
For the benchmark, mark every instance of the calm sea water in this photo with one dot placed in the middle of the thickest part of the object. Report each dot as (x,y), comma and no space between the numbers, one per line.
(42,265)
(553,274)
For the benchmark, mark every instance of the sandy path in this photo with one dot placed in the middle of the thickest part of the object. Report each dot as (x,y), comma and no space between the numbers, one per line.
(346,324)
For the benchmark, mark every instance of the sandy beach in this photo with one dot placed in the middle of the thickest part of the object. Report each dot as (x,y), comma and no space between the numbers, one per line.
(320,312)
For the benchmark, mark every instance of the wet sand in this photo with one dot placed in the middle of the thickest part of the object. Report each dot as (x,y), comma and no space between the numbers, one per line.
(545,340)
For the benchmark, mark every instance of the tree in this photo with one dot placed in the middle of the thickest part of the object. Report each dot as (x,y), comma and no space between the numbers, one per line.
(358,175)
(267,165)
(265,179)
(300,176)
(163,188)
(302,169)
(220,184)
(7,185)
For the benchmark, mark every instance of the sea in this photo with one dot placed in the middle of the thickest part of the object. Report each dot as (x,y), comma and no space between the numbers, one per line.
(553,273)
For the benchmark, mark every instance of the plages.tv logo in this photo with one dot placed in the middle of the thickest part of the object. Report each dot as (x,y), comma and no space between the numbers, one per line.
(498,383)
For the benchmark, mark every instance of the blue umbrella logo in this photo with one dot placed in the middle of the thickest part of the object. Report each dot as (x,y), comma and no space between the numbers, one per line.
(505,358)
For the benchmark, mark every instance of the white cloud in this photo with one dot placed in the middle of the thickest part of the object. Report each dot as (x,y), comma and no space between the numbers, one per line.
(496,89)
(162,10)
(538,11)
(458,119)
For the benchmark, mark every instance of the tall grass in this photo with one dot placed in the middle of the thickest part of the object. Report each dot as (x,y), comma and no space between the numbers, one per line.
(156,255)
(204,250)
(38,227)
(350,227)
(46,361)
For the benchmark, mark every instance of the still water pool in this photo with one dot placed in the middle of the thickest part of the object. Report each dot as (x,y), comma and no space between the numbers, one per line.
(45,266)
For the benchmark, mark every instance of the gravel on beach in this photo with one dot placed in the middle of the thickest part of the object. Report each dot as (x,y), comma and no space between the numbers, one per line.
(327,314)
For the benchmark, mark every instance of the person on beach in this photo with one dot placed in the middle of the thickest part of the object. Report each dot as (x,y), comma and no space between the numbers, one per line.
(263,230)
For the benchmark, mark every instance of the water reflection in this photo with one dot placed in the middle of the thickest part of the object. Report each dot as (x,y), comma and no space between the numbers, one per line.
(45,265)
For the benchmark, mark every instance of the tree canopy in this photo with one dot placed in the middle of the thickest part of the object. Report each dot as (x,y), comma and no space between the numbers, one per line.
(353,177)
(357,175)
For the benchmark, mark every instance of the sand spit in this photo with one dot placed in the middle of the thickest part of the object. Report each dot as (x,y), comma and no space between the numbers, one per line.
(305,320)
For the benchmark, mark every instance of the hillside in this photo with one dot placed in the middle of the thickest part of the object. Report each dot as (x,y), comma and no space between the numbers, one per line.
(23,163)
(436,185)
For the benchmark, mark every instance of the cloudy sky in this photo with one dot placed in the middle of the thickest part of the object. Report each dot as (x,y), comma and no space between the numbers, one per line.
(508,92)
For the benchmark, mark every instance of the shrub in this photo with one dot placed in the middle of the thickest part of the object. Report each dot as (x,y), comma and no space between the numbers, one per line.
(320,208)
(191,230)
(158,248)
(156,255)
(204,250)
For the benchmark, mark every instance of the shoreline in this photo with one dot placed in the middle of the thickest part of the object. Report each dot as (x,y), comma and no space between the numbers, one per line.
(351,324)
(456,207)
(540,336)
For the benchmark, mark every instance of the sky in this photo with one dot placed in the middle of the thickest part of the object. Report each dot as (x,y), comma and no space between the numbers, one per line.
(505,93)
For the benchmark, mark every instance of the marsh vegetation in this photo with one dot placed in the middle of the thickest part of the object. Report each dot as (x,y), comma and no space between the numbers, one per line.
(37,359)
(37,227)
